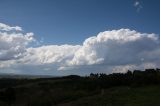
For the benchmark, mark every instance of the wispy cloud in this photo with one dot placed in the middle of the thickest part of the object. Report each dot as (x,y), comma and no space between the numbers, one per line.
(138,5)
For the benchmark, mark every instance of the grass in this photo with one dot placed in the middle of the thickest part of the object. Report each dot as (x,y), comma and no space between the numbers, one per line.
(67,92)
(123,96)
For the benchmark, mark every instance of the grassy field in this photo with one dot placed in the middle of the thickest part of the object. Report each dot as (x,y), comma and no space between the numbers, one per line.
(123,96)
(81,92)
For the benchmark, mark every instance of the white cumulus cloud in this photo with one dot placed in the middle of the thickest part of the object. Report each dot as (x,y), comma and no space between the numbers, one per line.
(12,46)
(117,47)
(5,27)
(51,54)
(109,51)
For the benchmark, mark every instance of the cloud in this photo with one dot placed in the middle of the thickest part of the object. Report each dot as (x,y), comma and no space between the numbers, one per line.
(5,27)
(51,54)
(138,5)
(116,47)
(109,51)
(121,50)
(13,46)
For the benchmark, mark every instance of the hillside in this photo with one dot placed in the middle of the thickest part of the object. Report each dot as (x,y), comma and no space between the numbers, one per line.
(130,89)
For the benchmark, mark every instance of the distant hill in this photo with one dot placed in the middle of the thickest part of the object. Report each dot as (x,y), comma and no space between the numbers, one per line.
(20,76)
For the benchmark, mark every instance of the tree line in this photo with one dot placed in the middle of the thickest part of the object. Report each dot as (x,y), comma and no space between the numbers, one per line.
(130,78)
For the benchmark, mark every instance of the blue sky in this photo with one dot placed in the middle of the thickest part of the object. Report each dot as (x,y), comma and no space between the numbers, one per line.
(72,21)
(62,37)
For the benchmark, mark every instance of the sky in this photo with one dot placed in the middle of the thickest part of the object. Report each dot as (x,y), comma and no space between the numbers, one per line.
(62,37)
